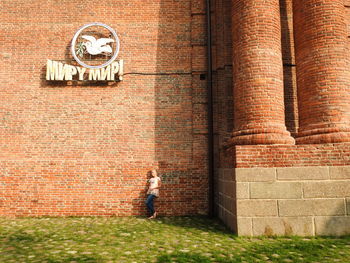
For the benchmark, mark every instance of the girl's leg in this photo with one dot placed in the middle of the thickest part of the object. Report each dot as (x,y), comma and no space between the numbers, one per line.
(149,203)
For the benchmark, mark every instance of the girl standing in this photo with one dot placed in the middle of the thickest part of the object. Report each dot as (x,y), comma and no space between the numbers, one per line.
(153,192)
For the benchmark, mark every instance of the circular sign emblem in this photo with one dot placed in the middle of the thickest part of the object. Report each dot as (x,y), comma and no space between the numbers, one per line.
(95,45)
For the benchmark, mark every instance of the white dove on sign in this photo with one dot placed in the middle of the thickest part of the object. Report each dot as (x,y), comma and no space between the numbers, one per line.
(99,46)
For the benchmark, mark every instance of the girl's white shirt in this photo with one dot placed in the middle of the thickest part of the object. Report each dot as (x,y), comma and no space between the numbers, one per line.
(153,182)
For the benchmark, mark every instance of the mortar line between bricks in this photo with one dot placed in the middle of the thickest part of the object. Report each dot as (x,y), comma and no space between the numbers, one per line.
(308,198)
(306,181)
(346,208)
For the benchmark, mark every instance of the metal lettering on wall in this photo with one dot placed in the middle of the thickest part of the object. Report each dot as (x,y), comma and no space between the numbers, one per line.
(94,47)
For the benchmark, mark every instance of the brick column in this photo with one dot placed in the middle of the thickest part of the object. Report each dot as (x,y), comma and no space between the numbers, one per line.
(258,73)
(322,71)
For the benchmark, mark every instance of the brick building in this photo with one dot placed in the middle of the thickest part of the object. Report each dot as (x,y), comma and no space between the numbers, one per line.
(267,149)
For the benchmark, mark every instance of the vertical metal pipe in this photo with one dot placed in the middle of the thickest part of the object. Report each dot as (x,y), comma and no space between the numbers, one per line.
(211,192)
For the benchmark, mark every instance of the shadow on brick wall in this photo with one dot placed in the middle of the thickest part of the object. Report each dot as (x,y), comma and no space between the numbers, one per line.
(289,78)
(184,189)
(138,203)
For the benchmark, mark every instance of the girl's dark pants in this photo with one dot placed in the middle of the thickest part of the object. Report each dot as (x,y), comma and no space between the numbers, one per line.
(149,203)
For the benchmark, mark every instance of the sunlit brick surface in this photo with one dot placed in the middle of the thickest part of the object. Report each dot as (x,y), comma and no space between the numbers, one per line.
(323,76)
(86,150)
(258,73)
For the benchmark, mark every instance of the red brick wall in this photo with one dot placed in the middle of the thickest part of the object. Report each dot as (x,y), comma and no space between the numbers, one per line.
(322,58)
(292,155)
(86,150)
(222,64)
(288,56)
(251,156)
(223,105)
(347,20)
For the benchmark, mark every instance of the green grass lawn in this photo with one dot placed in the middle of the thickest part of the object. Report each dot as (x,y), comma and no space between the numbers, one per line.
(167,239)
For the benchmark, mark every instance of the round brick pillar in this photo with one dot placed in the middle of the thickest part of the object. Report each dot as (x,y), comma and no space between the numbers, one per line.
(258,73)
(323,77)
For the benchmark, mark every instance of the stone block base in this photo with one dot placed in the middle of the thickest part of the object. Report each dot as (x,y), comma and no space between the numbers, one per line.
(305,201)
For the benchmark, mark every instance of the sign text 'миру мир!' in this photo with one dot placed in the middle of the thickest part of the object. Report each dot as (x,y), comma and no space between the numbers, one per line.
(59,71)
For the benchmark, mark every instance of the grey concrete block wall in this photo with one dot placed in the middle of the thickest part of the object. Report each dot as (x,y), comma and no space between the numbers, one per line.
(226,201)
(276,190)
(302,201)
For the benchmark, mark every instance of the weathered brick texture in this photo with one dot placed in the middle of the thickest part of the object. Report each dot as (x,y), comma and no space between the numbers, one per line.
(86,150)
(291,155)
(258,73)
(322,57)
(283,189)
(289,67)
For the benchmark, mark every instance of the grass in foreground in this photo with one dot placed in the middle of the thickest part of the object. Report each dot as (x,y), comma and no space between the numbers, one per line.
(168,239)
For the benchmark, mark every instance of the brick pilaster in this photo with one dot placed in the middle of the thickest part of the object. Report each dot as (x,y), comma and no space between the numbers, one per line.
(322,71)
(258,74)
